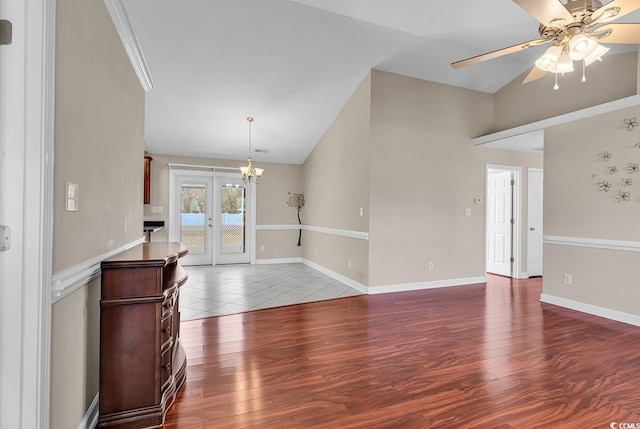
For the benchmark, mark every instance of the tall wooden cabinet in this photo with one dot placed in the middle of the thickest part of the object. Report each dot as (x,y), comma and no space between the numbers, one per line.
(142,363)
(147,180)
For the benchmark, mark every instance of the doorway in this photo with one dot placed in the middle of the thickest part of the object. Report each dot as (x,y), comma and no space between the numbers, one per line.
(502,227)
(210,213)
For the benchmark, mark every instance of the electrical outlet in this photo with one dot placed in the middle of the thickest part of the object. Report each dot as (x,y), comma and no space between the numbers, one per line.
(361,211)
(568,279)
(262,248)
(316,252)
(431,266)
(349,263)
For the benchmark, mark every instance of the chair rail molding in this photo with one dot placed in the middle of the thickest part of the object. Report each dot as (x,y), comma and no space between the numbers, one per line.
(360,235)
(67,281)
(595,243)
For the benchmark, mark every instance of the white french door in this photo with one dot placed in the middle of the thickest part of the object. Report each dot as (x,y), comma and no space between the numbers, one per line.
(209,214)
(192,210)
(534,221)
(499,223)
(231,208)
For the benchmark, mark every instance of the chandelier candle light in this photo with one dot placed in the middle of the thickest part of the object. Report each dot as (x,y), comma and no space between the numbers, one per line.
(249,173)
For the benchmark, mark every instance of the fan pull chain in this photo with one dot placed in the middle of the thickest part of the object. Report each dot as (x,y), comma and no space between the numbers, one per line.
(584,72)
(556,87)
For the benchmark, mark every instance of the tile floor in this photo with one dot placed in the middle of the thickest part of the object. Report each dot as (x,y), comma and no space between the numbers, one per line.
(229,289)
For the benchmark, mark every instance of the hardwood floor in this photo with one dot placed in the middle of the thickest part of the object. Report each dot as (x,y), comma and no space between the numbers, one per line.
(480,356)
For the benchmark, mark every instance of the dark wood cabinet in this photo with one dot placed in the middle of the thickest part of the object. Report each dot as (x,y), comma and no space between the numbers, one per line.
(147,179)
(142,363)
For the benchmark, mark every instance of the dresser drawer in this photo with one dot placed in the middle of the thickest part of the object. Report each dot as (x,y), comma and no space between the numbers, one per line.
(166,332)
(166,368)
(167,304)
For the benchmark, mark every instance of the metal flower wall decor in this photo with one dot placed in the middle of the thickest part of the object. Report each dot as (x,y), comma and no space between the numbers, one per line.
(620,179)
(297,201)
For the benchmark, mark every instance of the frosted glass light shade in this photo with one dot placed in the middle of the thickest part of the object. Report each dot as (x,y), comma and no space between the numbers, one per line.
(596,54)
(549,60)
(565,64)
(581,46)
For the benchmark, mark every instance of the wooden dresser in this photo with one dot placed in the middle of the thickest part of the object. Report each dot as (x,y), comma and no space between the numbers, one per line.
(142,363)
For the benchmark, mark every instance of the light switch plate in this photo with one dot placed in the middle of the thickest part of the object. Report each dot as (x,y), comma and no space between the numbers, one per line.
(72,197)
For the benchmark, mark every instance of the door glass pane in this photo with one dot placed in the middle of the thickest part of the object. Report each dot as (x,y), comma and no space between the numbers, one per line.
(192,218)
(232,233)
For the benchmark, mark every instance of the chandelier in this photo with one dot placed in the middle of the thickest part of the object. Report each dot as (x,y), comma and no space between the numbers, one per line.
(249,173)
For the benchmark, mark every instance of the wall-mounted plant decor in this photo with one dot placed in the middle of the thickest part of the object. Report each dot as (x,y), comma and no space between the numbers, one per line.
(297,201)
(623,189)
(623,196)
(605,156)
(630,124)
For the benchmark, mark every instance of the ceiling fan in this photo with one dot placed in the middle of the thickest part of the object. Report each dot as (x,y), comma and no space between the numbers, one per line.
(575,29)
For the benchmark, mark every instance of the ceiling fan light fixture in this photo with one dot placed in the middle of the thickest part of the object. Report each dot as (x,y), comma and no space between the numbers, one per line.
(565,64)
(596,54)
(580,46)
(549,60)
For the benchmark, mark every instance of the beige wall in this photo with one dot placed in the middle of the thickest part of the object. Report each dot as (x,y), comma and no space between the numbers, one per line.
(98,145)
(613,78)
(74,362)
(573,207)
(336,186)
(271,201)
(424,174)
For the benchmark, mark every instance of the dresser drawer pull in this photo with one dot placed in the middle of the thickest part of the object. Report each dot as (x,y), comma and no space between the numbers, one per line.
(168,366)
(167,305)
(167,330)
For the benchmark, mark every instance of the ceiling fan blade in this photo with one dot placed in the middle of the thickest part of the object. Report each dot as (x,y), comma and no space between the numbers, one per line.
(620,33)
(498,53)
(546,11)
(534,74)
(625,6)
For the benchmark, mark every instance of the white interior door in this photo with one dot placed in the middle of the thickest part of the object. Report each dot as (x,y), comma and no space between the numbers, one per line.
(534,220)
(499,223)
(232,207)
(192,220)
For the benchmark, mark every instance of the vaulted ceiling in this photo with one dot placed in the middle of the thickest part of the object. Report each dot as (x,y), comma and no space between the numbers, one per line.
(293,64)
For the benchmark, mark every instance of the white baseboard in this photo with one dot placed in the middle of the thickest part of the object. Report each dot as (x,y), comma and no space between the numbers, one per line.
(346,280)
(278,261)
(426,285)
(595,310)
(90,419)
